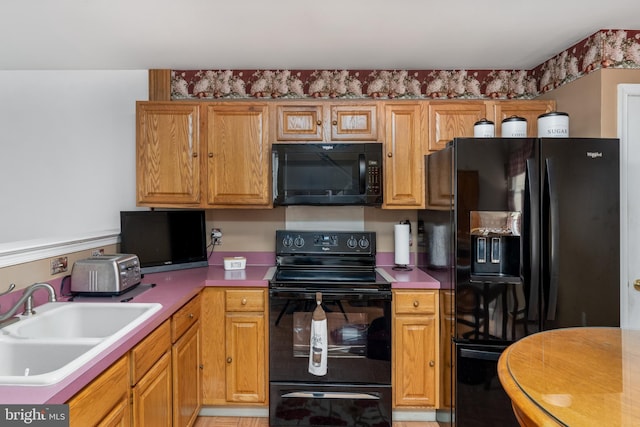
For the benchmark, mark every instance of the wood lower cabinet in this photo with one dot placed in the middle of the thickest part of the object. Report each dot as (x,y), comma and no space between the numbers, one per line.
(403,151)
(152,401)
(235,346)
(151,379)
(104,402)
(447,325)
(415,348)
(186,359)
(187,377)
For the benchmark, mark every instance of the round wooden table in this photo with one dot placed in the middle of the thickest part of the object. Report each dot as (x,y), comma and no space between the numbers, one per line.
(574,377)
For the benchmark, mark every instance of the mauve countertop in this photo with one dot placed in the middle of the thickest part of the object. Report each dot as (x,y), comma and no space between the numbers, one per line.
(173,289)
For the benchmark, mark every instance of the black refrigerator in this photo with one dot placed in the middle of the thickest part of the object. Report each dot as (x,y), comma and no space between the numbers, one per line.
(525,232)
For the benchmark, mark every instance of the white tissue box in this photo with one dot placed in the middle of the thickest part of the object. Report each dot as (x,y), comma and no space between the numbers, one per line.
(235,263)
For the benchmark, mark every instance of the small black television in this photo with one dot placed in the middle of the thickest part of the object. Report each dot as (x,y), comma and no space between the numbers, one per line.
(164,240)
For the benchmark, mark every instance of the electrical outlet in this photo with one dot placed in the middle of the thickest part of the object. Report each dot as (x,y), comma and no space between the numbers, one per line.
(59,265)
(216,236)
(97,252)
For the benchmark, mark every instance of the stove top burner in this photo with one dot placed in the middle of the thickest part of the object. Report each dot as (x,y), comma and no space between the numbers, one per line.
(327,258)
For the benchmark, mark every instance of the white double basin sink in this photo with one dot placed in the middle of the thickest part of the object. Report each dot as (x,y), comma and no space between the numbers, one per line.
(61,337)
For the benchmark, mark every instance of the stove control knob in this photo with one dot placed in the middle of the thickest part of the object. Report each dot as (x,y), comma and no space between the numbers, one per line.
(299,242)
(287,242)
(364,243)
(352,242)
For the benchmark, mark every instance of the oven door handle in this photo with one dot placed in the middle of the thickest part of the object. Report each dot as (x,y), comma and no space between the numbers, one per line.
(331,395)
(352,294)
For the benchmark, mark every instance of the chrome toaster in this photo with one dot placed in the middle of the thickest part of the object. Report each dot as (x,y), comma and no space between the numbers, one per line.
(105,274)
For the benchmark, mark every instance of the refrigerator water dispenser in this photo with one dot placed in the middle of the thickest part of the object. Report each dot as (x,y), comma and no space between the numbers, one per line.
(495,243)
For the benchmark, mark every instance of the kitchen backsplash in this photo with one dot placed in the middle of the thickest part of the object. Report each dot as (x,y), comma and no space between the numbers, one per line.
(603,49)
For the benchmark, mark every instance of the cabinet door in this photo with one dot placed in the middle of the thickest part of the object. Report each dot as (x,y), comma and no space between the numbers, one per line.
(238,156)
(353,123)
(152,402)
(448,120)
(414,359)
(167,163)
(403,165)
(530,110)
(187,377)
(246,346)
(299,123)
(105,400)
(446,360)
(213,346)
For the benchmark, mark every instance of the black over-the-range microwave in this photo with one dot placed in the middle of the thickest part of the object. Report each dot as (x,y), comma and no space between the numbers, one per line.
(327,174)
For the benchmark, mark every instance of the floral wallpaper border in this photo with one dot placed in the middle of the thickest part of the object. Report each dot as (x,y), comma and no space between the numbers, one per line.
(603,49)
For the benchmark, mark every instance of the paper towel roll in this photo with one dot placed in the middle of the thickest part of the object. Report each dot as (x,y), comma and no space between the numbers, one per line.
(402,235)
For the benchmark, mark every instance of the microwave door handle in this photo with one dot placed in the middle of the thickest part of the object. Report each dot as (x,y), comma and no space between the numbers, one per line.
(362,173)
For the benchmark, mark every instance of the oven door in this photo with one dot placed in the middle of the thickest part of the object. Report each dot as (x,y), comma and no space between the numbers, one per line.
(358,331)
(295,404)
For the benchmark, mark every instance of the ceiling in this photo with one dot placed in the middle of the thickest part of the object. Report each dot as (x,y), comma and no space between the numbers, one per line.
(299,34)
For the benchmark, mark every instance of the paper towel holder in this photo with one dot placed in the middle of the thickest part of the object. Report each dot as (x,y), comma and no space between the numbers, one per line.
(404,267)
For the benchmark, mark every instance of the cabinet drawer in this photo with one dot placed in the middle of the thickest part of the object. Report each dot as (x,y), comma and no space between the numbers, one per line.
(184,318)
(415,302)
(148,351)
(245,300)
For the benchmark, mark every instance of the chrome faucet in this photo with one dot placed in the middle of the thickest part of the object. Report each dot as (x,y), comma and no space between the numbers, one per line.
(27,300)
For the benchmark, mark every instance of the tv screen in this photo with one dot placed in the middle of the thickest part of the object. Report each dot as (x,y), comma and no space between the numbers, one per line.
(164,240)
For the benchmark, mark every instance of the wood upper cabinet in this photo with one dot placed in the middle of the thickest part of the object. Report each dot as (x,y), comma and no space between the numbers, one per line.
(235,346)
(299,123)
(238,157)
(415,348)
(449,120)
(167,154)
(529,109)
(202,155)
(104,402)
(326,122)
(404,156)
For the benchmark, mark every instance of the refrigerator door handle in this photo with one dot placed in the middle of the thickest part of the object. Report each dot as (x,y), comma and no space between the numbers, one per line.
(554,236)
(531,240)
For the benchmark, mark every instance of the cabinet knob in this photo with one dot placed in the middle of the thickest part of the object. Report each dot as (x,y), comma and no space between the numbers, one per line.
(243,301)
(319,122)
(432,363)
(389,154)
(636,284)
(229,360)
(210,155)
(201,367)
(335,123)
(416,303)
(195,154)
(190,315)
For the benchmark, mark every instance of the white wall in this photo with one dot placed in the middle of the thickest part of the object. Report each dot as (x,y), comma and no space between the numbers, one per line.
(67,154)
